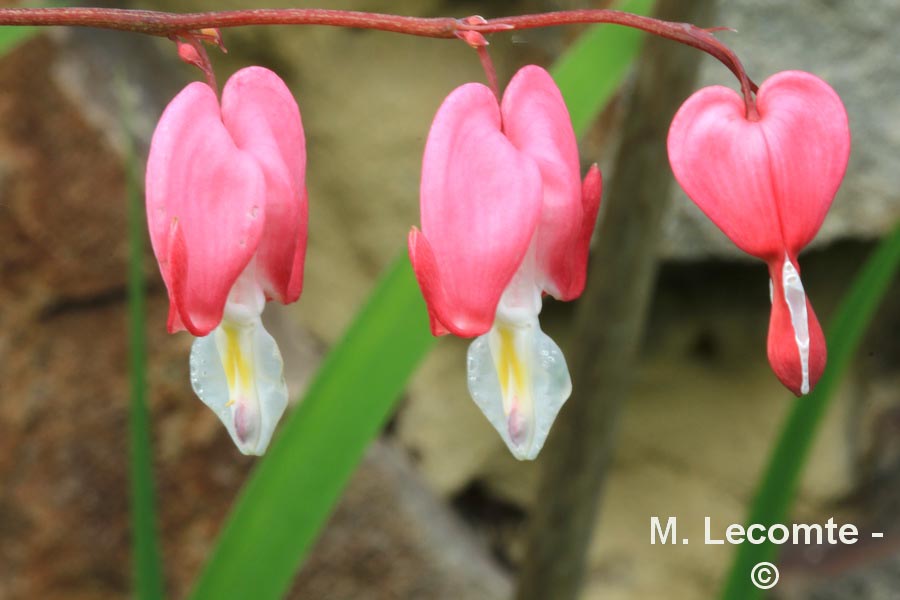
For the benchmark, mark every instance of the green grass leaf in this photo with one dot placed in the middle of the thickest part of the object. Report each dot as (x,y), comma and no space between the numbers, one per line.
(12,36)
(591,70)
(292,491)
(778,486)
(147,566)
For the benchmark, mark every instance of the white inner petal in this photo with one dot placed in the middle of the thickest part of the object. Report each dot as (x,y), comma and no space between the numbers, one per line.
(246,299)
(795,298)
(521,300)
(516,374)
(236,370)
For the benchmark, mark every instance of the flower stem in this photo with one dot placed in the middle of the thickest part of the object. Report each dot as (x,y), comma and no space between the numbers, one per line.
(192,52)
(490,72)
(169,24)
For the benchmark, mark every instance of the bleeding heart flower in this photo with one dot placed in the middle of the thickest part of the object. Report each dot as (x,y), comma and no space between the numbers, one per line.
(226,207)
(767,184)
(505,219)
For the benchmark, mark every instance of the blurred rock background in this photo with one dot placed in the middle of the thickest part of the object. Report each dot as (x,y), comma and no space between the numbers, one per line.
(438,508)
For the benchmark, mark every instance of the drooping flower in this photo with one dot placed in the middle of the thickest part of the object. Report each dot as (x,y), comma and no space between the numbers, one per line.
(767,183)
(505,219)
(227,211)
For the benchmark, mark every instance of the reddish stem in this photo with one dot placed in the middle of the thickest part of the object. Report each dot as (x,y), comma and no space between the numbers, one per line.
(169,24)
(477,41)
(684,33)
(191,51)
(488,65)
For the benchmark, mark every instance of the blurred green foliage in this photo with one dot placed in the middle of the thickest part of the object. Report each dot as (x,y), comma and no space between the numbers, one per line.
(146,563)
(600,49)
(10,37)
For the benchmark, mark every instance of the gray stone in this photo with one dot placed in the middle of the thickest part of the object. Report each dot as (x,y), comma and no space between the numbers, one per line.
(853,47)
(391,538)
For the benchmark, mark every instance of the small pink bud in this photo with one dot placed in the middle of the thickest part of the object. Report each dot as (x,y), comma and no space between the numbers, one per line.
(188,53)
(472,38)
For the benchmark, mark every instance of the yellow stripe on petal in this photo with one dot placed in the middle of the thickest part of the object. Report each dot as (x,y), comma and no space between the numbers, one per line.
(510,369)
(238,368)
(518,378)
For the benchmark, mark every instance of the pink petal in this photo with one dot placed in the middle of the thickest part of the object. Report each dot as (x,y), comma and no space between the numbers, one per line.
(176,273)
(480,204)
(209,192)
(590,202)
(766,184)
(536,121)
(425,267)
(808,136)
(180,318)
(784,356)
(721,161)
(263,119)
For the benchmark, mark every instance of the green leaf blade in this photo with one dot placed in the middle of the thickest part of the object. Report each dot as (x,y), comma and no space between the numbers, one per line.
(292,491)
(12,36)
(146,562)
(779,482)
(592,69)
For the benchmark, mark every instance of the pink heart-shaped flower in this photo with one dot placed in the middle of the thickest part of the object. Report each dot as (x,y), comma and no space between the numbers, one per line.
(497,179)
(767,183)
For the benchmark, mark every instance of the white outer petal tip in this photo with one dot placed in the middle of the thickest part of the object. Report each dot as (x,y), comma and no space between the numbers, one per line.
(537,383)
(250,400)
(795,297)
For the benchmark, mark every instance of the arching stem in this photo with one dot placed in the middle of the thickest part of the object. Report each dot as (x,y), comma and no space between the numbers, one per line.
(477,41)
(169,24)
